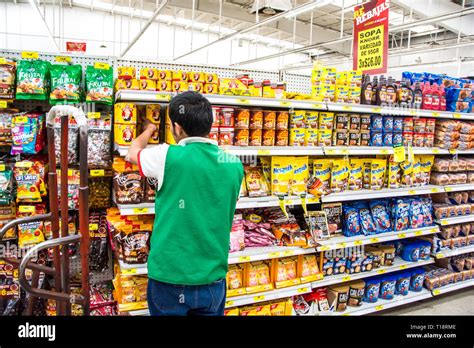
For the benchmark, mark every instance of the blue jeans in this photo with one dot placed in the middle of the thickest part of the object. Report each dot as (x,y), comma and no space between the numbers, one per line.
(175,299)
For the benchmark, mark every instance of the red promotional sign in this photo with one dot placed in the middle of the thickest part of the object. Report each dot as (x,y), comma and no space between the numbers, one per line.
(371,37)
(76,47)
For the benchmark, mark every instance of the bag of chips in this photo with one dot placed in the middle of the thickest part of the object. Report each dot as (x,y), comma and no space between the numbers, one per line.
(29,177)
(32,79)
(7,80)
(27,133)
(65,84)
(99,85)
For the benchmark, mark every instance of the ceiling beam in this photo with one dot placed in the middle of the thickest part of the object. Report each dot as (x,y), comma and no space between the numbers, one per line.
(37,10)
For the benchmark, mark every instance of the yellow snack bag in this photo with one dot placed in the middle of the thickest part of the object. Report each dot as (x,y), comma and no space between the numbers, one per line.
(393,176)
(277,309)
(282,175)
(231,312)
(406,178)
(297,136)
(377,173)
(297,119)
(311,137)
(256,183)
(356,182)
(339,175)
(324,137)
(312,118)
(267,169)
(326,120)
(322,171)
(417,171)
(426,162)
(366,172)
(300,175)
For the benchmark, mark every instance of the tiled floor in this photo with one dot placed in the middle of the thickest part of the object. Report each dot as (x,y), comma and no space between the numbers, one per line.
(456,303)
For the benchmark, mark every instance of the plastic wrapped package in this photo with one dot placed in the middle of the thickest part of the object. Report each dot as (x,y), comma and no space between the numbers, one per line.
(99,141)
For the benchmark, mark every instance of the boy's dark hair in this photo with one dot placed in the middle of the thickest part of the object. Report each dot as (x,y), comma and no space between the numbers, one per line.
(192,112)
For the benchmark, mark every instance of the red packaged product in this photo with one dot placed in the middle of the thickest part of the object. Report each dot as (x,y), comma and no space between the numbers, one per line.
(215,116)
(428,140)
(408,124)
(430,125)
(419,125)
(226,136)
(418,139)
(226,117)
(214,134)
(408,138)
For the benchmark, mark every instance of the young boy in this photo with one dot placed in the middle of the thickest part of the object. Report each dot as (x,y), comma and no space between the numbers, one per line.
(197,191)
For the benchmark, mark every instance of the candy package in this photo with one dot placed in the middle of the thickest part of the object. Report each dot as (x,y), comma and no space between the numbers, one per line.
(351,221)
(322,171)
(99,135)
(282,175)
(72,143)
(128,187)
(99,85)
(380,215)
(400,214)
(98,252)
(29,177)
(256,183)
(318,225)
(65,84)
(339,175)
(300,175)
(366,222)
(406,178)
(32,80)
(7,79)
(31,233)
(72,188)
(27,133)
(416,214)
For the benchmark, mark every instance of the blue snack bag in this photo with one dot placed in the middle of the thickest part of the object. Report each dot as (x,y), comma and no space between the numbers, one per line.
(377,123)
(403,283)
(416,279)
(411,251)
(380,215)
(376,139)
(425,249)
(351,221)
(387,287)
(366,222)
(400,214)
(397,139)
(387,123)
(427,209)
(387,139)
(398,124)
(372,290)
(417,217)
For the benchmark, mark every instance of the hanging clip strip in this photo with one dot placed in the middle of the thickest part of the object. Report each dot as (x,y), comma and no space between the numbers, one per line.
(281,200)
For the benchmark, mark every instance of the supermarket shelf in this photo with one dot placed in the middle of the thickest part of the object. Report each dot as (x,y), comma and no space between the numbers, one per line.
(265,253)
(398,300)
(268,295)
(383,193)
(461,187)
(367,109)
(140,312)
(274,150)
(453,287)
(455,220)
(454,252)
(137,209)
(133,269)
(344,242)
(217,99)
(398,265)
(123,150)
(143,96)
(272,201)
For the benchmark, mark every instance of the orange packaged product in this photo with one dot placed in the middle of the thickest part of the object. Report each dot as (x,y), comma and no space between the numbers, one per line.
(281,138)
(242,118)
(226,136)
(163,86)
(256,119)
(269,120)
(214,134)
(257,277)
(255,137)
(282,120)
(164,75)
(241,137)
(268,137)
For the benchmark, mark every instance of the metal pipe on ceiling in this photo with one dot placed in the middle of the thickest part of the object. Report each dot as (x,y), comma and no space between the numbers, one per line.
(349,38)
(145,27)
(38,13)
(297,10)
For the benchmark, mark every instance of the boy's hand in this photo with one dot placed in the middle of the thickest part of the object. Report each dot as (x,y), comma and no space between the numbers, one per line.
(150,126)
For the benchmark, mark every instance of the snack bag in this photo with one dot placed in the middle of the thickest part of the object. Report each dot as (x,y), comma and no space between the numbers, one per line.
(256,183)
(99,85)
(427,208)
(322,171)
(32,79)
(282,175)
(426,162)
(400,214)
(27,133)
(339,175)
(300,176)
(406,178)
(6,185)
(393,177)
(417,171)
(417,216)
(377,173)
(380,215)
(267,169)
(366,173)
(29,179)
(7,80)
(355,174)
(65,84)
(351,221)
(366,222)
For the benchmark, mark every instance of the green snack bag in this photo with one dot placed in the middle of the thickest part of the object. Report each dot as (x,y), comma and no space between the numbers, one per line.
(65,84)
(99,85)
(6,185)
(32,79)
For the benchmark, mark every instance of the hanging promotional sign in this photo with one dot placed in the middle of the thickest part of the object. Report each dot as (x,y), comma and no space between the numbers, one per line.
(76,46)
(371,37)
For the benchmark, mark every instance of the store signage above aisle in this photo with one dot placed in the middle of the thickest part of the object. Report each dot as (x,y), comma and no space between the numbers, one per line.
(371,37)
(76,47)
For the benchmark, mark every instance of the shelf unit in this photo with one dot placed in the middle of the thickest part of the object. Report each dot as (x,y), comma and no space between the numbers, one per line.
(459,187)
(453,287)
(455,220)
(454,252)
(266,253)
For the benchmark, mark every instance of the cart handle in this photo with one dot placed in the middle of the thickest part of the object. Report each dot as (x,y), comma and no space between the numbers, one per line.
(16,222)
(66,111)
(54,295)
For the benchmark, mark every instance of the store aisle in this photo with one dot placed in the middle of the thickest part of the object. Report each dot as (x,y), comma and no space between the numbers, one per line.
(455,303)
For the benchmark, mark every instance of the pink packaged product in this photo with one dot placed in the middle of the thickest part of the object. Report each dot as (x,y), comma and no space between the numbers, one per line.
(237,234)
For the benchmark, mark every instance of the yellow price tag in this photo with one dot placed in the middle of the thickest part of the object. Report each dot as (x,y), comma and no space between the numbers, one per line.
(229,303)
(402,235)
(259,298)
(101,65)
(439,256)
(329,151)
(318,106)
(377,109)
(129,271)
(448,189)
(399,154)
(27,164)
(345,314)
(288,252)
(3,104)
(403,266)
(163,97)
(62,59)
(244,258)
(2,167)
(435,151)
(285,104)
(418,233)
(444,222)
(97,172)
(243,101)
(433,230)
(434,113)
(324,248)
(436,292)
(379,307)
(346,279)
(140,210)
(273,255)
(344,152)
(358,242)
(2,60)
(93,227)
(263,152)
(374,240)
(93,115)
(313,200)
(26,208)
(341,245)
(413,112)
(21,119)
(302,290)
(70,172)
(29,55)
(412,192)
(434,190)
(456,115)
(384,152)
(452,151)
(381,271)
(347,108)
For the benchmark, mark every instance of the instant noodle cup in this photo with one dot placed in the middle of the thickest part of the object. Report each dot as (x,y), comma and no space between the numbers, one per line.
(125,113)
(212,78)
(195,76)
(211,88)
(241,137)
(179,86)
(180,75)
(126,72)
(281,138)
(269,120)
(300,175)
(163,86)
(153,113)
(281,175)
(124,133)
(216,116)
(255,137)
(312,118)
(324,137)
(242,118)
(165,75)
(282,120)
(196,87)
(149,73)
(226,117)
(147,85)
(268,137)
(297,119)
(297,136)
(256,119)
(226,136)
(214,134)
(311,137)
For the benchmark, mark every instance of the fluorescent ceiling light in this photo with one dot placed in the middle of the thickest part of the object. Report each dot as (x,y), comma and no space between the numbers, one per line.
(423,28)
(306,7)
